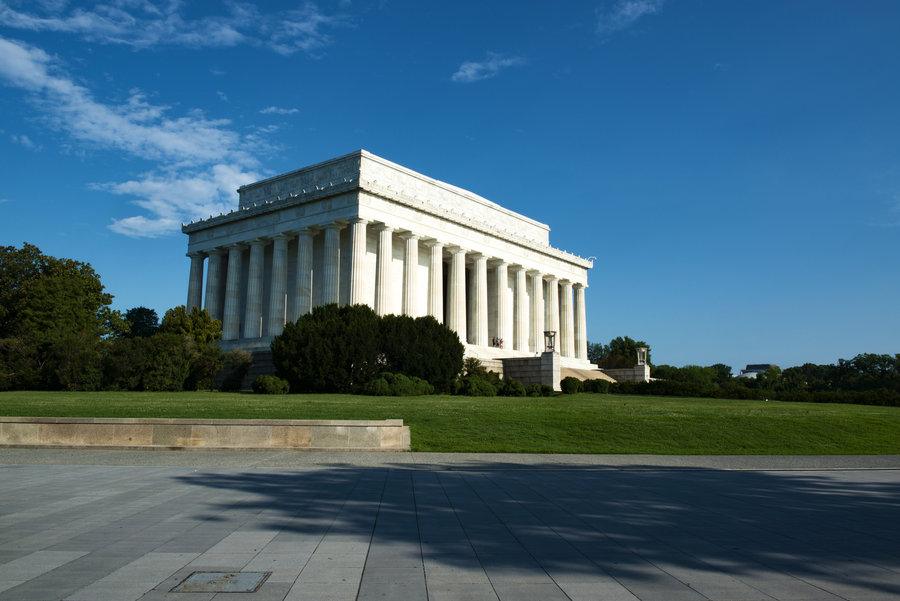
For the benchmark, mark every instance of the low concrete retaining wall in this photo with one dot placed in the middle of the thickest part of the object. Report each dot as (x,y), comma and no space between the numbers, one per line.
(348,435)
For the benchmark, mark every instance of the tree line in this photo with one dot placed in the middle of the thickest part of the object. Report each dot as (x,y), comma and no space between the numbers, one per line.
(868,378)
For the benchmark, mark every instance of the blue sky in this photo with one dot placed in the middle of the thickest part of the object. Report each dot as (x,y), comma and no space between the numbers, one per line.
(733,166)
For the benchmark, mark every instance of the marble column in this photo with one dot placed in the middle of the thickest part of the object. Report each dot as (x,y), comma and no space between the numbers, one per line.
(214,281)
(520,315)
(253,310)
(580,323)
(358,261)
(331,264)
(278,286)
(231,319)
(195,280)
(436,280)
(410,275)
(537,311)
(502,273)
(303,296)
(456,313)
(567,321)
(385,251)
(553,310)
(480,310)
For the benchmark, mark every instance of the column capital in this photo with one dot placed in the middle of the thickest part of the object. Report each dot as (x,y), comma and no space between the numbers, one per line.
(309,230)
(383,227)
(195,254)
(534,273)
(217,251)
(237,246)
(429,242)
(334,225)
(579,286)
(406,235)
(283,236)
(551,278)
(477,256)
(454,249)
(261,241)
(360,220)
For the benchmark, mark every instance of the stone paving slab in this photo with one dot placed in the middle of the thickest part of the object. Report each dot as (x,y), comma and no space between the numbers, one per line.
(132,525)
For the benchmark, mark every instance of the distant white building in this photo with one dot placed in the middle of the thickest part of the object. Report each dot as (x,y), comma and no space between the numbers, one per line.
(754,369)
(361,230)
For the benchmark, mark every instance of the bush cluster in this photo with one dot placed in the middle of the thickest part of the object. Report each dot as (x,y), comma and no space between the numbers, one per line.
(476,380)
(344,349)
(389,384)
(270,385)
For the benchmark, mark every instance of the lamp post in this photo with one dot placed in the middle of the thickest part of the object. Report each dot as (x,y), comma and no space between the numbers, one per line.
(549,341)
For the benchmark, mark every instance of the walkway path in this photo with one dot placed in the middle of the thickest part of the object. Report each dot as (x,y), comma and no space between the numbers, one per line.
(120,525)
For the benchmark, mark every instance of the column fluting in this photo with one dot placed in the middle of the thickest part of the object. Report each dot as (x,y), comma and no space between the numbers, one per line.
(553,310)
(456,314)
(358,261)
(410,275)
(537,311)
(520,315)
(580,323)
(567,321)
(253,310)
(480,312)
(331,264)
(502,333)
(214,280)
(303,296)
(436,280)
(195,280)
(278,286)
(231,319)
(383,269)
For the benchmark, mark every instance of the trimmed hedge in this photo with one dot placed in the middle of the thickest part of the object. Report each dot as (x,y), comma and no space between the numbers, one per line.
(270,385)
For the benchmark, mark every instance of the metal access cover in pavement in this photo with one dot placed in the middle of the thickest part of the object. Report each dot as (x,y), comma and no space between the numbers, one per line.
(222,582)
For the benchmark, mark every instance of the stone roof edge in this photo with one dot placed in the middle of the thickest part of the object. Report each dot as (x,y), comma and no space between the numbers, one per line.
(349,185)
(450,188)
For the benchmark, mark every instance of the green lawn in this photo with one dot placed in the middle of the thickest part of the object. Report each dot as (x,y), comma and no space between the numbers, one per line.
(584,423)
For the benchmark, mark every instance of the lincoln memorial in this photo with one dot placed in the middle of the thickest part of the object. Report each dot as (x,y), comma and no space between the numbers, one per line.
(361,230)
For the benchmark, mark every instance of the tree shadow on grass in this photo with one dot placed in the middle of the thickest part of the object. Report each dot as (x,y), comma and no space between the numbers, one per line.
(751,532)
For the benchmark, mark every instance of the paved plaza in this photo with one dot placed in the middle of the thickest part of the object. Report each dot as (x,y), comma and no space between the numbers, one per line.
(89,525)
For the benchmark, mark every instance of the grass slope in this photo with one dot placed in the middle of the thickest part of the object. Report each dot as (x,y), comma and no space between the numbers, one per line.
(584,423)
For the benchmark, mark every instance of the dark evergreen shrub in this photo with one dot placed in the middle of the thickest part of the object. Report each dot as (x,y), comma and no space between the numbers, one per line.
(270,385)
(237,363)
(378,387)
(332,349)
(512,387)
(421,348)
(598,385)
(534,390)
(571,385)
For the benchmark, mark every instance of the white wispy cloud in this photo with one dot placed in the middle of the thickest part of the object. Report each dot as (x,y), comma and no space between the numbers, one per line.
(25,141)
(624,13)
(144,24)
(472,71)
(203,159)
(274,110)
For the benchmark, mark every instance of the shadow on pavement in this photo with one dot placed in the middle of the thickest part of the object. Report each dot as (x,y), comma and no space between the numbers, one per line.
(756,527)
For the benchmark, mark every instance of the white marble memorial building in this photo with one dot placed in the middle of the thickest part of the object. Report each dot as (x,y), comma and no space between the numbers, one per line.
(360,229)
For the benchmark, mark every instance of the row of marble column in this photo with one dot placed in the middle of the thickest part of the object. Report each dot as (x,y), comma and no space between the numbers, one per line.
(565,313)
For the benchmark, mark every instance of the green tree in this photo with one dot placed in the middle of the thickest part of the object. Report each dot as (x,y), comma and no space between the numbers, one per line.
(620,352)
(142,322)
(332,349)
(198,324)
(53,315)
